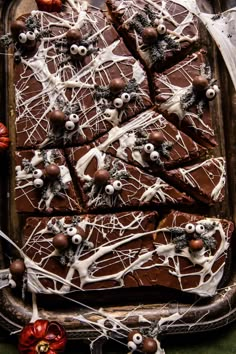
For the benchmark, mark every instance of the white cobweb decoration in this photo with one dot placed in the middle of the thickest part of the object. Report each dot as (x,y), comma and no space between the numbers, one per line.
(222,28)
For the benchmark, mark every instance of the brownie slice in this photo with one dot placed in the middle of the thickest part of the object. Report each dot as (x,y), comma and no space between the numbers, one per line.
(43,182)
(88,251)
(69,99)
(106,182)
(151,142)
(194,254)
(183,95)
(97,252)
(205,181)
(159,32)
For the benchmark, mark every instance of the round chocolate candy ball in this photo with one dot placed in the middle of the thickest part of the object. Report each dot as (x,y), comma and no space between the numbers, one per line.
(200,83)
(149,346)
(156,138)
(73,36)
(52,171)
(60,241)
(196,244)
(117,85)
(101,177)
(17,268)
(17,27)
(149,35)
(57,117)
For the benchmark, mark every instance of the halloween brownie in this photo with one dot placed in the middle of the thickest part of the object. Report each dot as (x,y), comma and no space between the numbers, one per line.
(159,32)
(183,95)
(186,252)
(107,182)
(43,182)
(151,142)
(77,82)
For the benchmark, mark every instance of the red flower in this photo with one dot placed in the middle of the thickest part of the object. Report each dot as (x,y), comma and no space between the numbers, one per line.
(4,139)
(42,336)
(49,5)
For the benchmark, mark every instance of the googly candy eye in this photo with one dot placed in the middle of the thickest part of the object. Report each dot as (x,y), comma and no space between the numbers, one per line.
(12,283)
(77,239)
(200,229)
(30,36)
(125,97)
(161,29)
(37,173)
(117,185)
(189,228)
(210,93)
(74,49)
(154,156)
(132,346)
(156,22)
(148,148)
(82,50)
(109,189)
(216,88)
(137,338)
(38,183)
(69,125)
(118,103)
(71,231)
(74,118)
(22,38)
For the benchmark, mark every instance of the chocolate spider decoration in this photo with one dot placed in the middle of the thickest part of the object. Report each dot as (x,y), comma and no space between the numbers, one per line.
(50,175)
(138,341)
(202,90)
(156,40)
(76,46)
(118,94)
(195,236)
(24,36)
(153,146)
(106,182)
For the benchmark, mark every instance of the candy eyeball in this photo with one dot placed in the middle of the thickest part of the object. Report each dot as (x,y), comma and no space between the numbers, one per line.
(154,156)
(30,36)
(22,38)
(148,148)
(216,88)
(156,22)
(74,49)
(189,228)
(38,183)
(137,338)
(117,185)
(200,229)
(74,118)
(132,346)
(109,189)
(161,29)
(76,239)
(12,283)
(125,97)
(210,93)
(69,125)
(71,231)
(82,51)
(118,103)
(37,173)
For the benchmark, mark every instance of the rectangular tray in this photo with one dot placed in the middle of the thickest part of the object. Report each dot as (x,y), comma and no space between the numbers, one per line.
(206,314)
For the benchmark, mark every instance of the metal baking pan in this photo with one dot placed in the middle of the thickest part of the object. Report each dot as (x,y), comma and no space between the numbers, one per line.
(192,316)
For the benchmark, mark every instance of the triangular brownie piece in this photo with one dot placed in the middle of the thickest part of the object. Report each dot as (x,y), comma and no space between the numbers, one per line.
(68,99)
(106,182)
(183,95)
(43,182)
(159,32)
(205,180)
(151,142)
